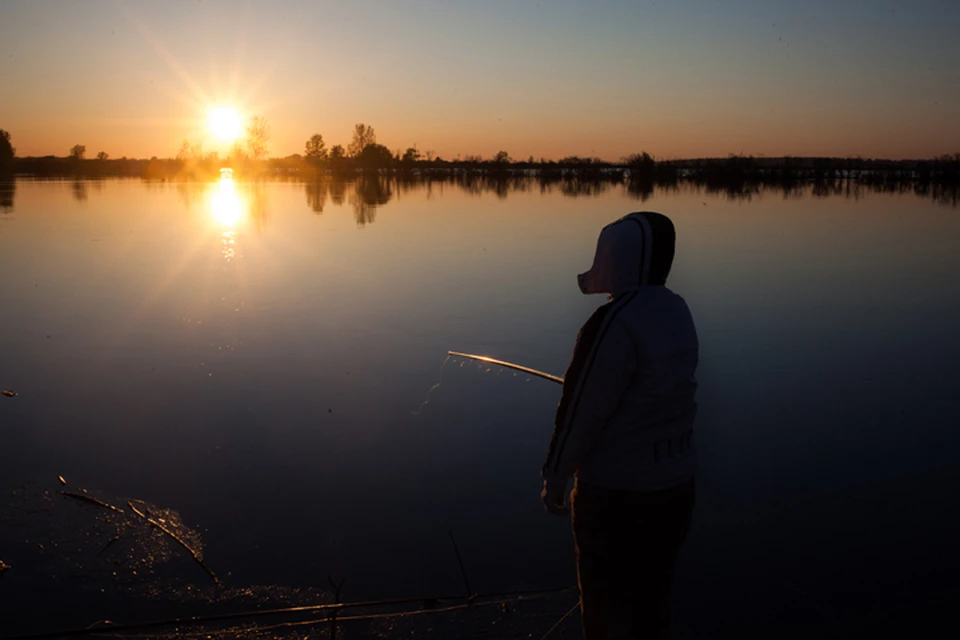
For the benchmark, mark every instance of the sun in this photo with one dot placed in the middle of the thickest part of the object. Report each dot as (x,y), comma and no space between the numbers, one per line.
(224,123)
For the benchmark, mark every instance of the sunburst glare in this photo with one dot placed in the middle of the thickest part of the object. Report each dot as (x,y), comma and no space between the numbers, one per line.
(224,123)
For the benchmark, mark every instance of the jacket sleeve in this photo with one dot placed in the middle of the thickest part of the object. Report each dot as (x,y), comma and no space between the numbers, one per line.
(602,368)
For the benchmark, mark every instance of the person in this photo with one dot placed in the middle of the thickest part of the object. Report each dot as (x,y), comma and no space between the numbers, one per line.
(624,426)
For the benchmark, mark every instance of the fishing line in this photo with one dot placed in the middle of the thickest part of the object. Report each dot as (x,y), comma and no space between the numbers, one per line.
(488,360)
(432,389)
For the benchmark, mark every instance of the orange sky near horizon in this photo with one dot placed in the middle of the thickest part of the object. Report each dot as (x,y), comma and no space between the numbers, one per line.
(563,79)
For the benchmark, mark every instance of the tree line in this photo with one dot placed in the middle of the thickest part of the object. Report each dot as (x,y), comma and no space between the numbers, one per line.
(364,154)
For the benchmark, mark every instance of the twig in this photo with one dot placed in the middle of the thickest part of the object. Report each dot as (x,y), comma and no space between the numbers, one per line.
(560,621)
(177,538)
(337,590)
(4,567)
(463,572)
(108,545)
(353,618)
(316,608)
(90,500)
(821,610)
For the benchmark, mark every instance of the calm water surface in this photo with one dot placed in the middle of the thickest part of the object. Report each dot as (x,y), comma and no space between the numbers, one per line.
(256,357)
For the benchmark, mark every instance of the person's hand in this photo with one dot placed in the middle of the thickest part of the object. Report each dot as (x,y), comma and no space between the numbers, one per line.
(554,498)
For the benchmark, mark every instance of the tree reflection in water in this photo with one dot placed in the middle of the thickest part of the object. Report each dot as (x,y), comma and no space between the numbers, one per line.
(8,189)
(79,190)
(367,193)
(370,192)
(317,192)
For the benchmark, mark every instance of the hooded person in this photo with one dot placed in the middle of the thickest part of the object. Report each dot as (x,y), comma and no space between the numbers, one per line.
(624,429)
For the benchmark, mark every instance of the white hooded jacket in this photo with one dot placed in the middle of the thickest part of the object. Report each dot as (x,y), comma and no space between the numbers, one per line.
(625,419)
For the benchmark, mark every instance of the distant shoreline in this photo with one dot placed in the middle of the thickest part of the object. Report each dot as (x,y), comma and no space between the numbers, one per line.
(732,169)
(368,190)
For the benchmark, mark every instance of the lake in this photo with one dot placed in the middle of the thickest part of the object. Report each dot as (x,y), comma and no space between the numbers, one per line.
(265,363)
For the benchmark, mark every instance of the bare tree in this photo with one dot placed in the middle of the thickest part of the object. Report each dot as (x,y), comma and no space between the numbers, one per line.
(103,155)
(184,152)
(641,165)
(237,153)
(638,159)
(363,135)
(258,135)
(411,155)
(77,151)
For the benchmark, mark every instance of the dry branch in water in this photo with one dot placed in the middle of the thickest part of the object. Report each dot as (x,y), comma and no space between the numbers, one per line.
(90,500)
(177,538)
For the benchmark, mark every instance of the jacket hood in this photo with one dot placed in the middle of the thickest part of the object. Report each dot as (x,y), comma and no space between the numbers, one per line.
(635,251)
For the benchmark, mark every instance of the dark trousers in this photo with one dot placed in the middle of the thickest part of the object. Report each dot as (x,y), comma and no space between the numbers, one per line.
(627,544)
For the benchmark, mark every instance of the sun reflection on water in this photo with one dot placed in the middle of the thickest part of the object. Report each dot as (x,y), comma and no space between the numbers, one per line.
(229,241)
(226,204)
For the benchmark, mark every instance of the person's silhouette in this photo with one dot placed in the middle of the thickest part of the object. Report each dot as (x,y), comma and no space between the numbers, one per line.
(624,426)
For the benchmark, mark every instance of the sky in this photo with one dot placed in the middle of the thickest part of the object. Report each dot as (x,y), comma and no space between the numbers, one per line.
(545,79)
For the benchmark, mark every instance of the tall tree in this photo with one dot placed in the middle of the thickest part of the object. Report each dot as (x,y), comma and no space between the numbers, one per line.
(258,135)
(315,151)
(77,151)
(375,156)
(6,150)
(338,163)
(363,136)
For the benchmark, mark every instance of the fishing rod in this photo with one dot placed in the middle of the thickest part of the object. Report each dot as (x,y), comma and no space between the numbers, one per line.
(508,365)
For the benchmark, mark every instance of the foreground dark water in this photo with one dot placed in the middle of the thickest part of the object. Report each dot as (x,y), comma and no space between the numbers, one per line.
(254,358)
